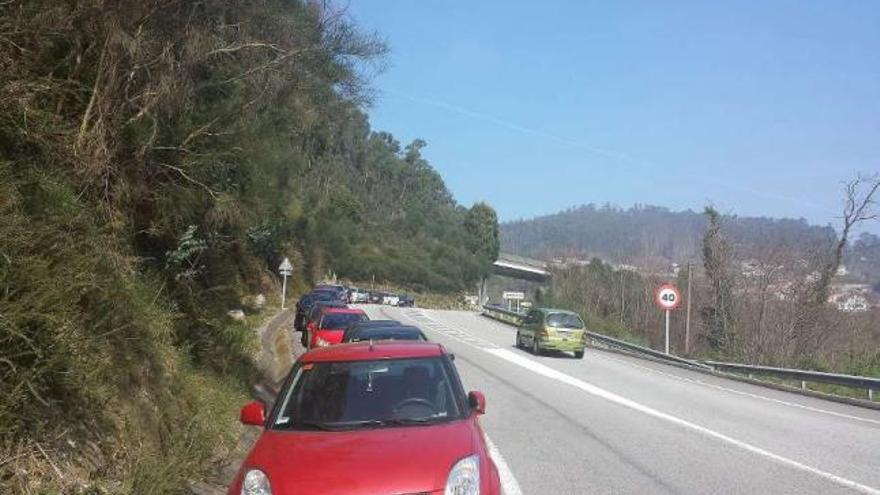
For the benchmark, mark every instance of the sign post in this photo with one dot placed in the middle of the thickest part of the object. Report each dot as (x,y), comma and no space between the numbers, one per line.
(667,298)
(286,269)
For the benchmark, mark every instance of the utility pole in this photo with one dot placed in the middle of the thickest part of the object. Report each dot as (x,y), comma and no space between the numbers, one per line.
(687,321)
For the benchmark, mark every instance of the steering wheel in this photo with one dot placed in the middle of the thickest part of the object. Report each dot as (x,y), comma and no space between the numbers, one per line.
(413,401)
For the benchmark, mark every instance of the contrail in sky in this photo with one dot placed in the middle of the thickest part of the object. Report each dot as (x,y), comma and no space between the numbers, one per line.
(596,150)
(516,127)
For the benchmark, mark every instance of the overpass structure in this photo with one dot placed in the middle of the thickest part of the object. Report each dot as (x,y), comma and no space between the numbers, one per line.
(511,265)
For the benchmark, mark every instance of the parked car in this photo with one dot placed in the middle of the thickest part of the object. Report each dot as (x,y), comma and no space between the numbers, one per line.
(311,320)
(406,301)
(354,327)
(357,296)
(341,290)
(399,332)
(552,329)
(376,297)
(329,327)
(365,419)
(304,305)
(390,299)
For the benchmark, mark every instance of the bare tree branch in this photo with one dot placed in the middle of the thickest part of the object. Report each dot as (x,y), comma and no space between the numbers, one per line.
(233,49)
(189,179)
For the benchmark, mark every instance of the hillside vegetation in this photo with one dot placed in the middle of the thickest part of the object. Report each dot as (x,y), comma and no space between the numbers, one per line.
(653,237)
(157,161)
(776,309)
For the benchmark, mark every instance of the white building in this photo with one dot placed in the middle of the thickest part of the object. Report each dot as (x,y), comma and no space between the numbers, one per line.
(853,303)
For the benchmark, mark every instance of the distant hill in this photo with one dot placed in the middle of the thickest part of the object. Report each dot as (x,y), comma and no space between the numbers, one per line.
(654,237)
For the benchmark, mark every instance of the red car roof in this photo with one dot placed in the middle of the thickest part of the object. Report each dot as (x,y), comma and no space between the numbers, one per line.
(364,351)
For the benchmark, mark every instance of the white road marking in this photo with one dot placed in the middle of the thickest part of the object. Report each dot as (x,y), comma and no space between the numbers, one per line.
(548,372)
(740,392)
(509,485)
(420,317)
(726,389)
(551,373)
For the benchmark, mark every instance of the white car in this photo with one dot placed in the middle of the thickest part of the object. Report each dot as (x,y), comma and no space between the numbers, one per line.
(356,296)
(391,299)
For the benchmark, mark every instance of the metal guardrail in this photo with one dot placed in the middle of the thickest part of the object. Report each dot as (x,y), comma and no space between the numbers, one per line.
(868,383)
(611,341)
(501,314)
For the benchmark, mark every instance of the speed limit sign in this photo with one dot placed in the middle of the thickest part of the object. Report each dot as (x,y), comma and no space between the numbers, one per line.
(667,297)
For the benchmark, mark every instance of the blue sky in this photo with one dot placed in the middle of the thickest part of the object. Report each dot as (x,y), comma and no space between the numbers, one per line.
(760,107)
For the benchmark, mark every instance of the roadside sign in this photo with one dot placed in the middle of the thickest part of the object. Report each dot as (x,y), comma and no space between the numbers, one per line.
(286,268)
(513,299)
(667,297)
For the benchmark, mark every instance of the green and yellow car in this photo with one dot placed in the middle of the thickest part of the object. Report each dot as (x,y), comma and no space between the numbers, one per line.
(552,329)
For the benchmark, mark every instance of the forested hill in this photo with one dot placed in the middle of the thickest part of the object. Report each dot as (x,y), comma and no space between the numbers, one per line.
(652,236)
(157,161)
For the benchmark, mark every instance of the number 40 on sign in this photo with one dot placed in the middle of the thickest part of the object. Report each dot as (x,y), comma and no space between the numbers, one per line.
(667,298)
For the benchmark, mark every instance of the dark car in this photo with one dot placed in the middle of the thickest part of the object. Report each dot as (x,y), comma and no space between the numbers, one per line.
(376,297)
(397,332)
(304,305)
(369,324)
(341,290)
(406,301)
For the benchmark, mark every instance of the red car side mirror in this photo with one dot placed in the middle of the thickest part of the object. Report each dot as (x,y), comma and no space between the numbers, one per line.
(254,413)
(477,402)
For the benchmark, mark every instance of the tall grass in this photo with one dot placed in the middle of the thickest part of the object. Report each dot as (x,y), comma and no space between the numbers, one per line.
(89,356)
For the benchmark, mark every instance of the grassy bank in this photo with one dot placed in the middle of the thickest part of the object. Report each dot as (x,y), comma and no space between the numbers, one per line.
(101,387)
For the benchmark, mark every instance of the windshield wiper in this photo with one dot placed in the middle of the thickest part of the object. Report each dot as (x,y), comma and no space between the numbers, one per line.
(416,421)
(370,423)
(346,425)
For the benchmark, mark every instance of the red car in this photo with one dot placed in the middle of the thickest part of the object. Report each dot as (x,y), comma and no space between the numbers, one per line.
(368,419)
(330,324)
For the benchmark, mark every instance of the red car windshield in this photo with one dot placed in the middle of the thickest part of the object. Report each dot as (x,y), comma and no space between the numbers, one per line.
(341,320)
(369,394)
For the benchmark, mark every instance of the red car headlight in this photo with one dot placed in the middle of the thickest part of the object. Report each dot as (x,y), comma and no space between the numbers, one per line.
(464,477)
(255,483)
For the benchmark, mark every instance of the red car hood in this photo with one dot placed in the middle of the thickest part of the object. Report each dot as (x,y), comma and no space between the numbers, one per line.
(387,461)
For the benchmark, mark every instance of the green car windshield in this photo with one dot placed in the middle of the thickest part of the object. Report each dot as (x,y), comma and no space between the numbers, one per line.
(564,320)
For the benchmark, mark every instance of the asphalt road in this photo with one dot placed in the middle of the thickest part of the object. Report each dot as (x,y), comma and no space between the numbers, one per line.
(614,424)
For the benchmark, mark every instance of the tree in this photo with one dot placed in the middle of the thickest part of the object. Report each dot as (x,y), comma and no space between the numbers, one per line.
(858,207)
(718,317)
(481,223)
